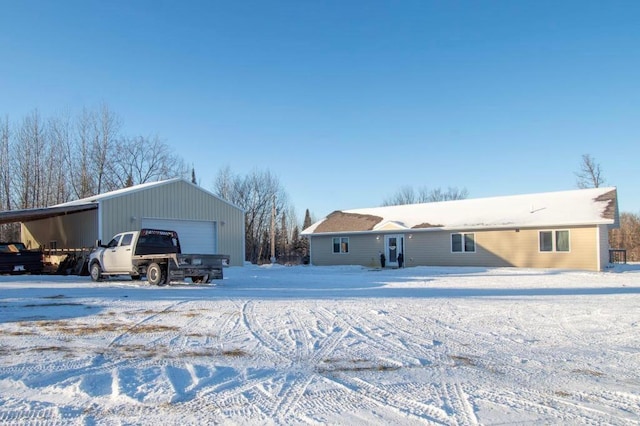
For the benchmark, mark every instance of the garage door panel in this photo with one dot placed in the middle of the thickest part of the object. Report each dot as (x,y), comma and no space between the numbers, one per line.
(195,236)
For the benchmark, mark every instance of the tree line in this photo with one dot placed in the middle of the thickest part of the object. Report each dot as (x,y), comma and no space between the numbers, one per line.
(271,229)
(48,161)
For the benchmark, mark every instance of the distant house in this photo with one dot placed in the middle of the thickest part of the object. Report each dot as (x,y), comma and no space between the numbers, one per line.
(567,229)
(205,223)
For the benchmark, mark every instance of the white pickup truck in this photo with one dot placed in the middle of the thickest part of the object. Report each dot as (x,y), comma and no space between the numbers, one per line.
(156,254)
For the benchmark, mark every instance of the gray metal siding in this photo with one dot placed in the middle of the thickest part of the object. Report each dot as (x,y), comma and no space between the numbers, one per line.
(176,200)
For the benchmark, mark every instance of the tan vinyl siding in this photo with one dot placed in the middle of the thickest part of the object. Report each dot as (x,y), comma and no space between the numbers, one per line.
(493,248)
(41,233)
(363,250)
(522,249)
(434,249)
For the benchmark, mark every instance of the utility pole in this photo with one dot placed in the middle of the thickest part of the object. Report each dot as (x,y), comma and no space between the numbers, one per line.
(273,230)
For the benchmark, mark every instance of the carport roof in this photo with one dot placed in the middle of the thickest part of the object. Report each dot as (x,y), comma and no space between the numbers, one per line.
(84,204)
(27,215)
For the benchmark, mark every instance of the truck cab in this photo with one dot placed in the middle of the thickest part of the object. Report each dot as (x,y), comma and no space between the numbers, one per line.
(117,254)
(156,254)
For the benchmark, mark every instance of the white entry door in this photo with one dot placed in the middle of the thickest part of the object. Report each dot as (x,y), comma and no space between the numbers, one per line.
(393,245)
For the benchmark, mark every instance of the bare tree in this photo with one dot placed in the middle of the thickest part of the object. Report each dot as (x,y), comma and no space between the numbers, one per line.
(627,236)
(78,156)
(255,194)
(5,165)
(406,195)
(8,232)
(105,129)
(57,177)
(142,159)
(28,160)
(435,195)
(590,174)
(223,185)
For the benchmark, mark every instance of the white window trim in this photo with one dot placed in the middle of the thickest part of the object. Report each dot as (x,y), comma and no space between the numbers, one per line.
(554,245)
(340,245)
(463,251)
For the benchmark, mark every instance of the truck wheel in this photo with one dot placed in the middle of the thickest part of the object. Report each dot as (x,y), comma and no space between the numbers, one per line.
(156,274)
(95,271)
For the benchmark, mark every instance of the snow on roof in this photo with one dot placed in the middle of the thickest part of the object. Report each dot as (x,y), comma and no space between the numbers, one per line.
(564,208)
(96,198)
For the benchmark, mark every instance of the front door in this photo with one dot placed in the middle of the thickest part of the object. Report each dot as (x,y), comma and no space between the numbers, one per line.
(393,245)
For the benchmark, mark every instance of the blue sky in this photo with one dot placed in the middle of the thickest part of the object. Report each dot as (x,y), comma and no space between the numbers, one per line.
(348,101)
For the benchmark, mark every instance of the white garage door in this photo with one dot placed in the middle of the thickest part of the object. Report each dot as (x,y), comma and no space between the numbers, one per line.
(195,236)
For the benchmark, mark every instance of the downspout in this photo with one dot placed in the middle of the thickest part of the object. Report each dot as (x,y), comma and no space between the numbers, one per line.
(599,250)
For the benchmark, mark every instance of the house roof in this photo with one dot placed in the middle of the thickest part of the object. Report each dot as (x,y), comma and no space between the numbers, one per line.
(550,209)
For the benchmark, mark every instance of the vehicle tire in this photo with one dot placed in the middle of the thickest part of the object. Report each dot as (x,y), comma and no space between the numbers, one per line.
(95,271)
(156,274)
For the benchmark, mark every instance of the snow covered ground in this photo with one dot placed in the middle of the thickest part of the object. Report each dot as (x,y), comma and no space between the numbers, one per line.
(314,345)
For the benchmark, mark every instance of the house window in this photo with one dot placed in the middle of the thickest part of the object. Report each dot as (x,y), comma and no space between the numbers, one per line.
(554,241)
(463,243)
(341,245)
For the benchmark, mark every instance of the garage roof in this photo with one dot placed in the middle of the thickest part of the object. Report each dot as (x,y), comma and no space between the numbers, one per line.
(84,204)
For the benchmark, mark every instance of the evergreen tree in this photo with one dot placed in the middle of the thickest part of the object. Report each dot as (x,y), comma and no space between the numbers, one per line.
(303,243)
(307,220)
(193,176)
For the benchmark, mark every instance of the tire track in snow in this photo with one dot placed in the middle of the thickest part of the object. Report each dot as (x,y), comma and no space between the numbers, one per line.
(290,396)
(338,329)
(547,407)
(264,338)
(463,410)
(300,339)
(146,319)
(393,400)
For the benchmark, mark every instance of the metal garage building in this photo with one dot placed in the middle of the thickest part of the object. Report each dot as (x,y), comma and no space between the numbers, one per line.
(204,222)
